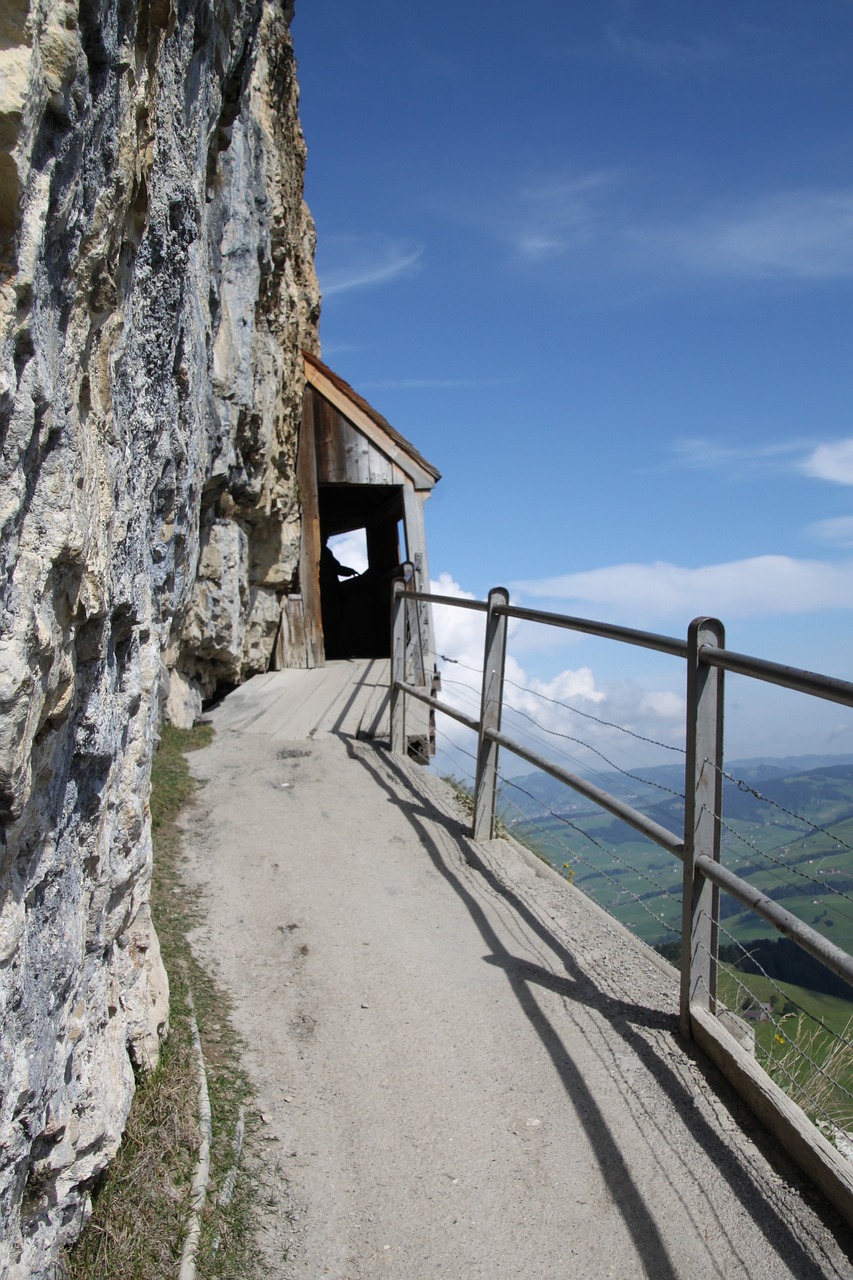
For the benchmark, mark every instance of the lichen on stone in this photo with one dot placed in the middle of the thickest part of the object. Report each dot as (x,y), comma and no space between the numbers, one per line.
(156,290)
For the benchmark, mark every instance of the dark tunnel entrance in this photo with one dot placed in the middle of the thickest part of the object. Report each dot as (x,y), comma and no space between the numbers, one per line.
(356,607)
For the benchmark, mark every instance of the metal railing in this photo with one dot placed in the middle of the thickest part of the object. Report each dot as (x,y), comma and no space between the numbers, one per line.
(698,845)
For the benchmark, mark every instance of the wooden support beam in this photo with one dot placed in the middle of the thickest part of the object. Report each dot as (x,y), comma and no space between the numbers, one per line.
(418,475)
(494,660)
(702,809)
(309,555)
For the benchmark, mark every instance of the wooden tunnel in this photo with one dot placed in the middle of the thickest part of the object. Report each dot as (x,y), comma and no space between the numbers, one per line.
(354,472)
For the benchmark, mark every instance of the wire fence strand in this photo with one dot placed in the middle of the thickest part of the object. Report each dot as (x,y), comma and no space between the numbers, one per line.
(807,1060)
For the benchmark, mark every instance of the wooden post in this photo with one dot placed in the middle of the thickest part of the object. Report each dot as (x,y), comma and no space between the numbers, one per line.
(702,810)
(398,668)
(494,659)
(416,551)
(309,556)
(290,650)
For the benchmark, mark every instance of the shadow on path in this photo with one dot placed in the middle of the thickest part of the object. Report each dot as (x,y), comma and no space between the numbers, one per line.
(628,1021)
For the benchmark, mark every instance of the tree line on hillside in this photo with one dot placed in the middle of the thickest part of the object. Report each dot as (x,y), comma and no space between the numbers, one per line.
(777,958)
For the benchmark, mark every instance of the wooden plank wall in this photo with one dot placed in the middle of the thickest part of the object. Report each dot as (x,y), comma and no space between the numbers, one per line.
(290,647)
(309,559)
(344,455)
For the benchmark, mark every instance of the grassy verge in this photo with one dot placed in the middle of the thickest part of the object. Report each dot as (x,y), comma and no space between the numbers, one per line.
(465,799)
(808,1053)
(141,1209)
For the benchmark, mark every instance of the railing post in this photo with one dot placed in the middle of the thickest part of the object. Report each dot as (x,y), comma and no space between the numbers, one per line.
(486,787)
(398,667)
(419,629)
(702,808)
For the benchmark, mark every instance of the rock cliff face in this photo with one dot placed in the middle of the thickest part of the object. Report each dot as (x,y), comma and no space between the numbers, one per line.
(156,288)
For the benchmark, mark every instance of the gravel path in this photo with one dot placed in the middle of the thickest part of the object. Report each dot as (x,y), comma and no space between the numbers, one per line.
(465,1068)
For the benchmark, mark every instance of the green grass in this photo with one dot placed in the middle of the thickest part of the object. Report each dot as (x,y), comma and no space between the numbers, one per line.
(616,888)
(799,1046)
(465,799)
(806,1045)
(141,1209)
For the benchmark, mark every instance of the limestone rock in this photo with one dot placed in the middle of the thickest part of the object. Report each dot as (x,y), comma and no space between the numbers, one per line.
(212,634)
(183,701)
(156,290)
(261,629)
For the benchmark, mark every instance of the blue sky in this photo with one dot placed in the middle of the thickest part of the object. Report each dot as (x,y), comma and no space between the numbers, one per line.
(596,262)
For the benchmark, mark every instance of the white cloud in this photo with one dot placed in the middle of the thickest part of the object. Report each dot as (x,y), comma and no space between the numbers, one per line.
(664,703)
(662,54)
(792,235)
(350,549)
(565,685)
(595,220)
(838,529)
(357,262)
(459,632)
(831,462)
(572,719)
(553,215)
(567,716)
(698,454)
(758,587)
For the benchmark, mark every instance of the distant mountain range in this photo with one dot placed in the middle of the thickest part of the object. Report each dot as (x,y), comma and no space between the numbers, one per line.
(781,778)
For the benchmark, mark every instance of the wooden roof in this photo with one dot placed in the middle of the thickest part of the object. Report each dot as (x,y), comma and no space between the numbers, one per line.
(363,415)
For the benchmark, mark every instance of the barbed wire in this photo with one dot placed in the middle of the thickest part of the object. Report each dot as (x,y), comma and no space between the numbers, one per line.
(567,706)
(450,744)
(587,715)
(560,817)
(790,868)
(472,699)
(741,784)
(747,788)
(784,872)
(460,684)
(788,998)
(458,749)
(567,737)
(620,889)
(457,662)
(784,1075)
(511,710)
(774,984)
(660,889)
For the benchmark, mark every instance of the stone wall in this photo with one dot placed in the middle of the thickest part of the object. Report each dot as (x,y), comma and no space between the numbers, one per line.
(156,288)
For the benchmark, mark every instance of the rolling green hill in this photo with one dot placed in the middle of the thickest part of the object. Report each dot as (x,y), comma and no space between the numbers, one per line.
(789,833)
(788,830)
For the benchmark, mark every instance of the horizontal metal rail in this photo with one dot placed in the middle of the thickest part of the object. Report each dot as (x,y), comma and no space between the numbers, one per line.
(478,606)
(796,678)
(607,630)
(698,847)
(639,821)
(775,673)
(430,701)
(829,955)
(809,682)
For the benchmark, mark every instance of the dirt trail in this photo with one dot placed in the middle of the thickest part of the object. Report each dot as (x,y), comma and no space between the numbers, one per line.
(465,1068)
